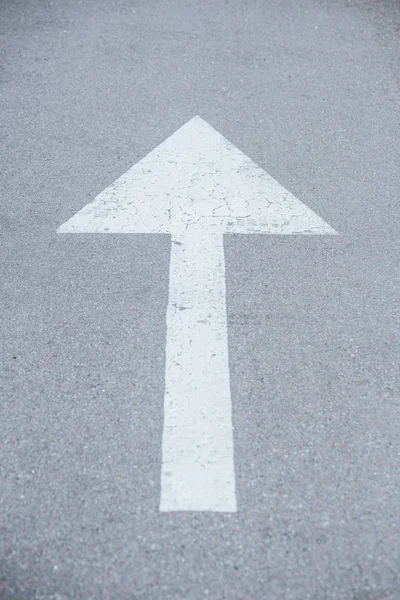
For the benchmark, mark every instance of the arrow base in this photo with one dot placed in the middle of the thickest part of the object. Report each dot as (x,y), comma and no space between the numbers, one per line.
(197,449)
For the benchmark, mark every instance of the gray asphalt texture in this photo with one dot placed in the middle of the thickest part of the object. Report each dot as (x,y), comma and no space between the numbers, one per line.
(310,90)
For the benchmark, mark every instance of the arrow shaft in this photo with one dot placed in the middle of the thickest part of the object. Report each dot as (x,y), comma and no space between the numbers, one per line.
(197,448)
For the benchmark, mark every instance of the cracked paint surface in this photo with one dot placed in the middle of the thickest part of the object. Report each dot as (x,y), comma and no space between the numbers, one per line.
(196,181)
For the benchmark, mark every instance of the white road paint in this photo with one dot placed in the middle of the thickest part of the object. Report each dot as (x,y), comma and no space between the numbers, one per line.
(197,186)
(198,469)
(196,181)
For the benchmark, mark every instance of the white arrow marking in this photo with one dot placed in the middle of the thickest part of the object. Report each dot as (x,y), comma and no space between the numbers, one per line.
(197,186)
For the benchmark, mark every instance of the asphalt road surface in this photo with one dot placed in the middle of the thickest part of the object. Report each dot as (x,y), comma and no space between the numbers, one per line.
(309,89)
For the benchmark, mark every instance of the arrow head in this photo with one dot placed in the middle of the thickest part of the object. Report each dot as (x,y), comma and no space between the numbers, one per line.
(196,181)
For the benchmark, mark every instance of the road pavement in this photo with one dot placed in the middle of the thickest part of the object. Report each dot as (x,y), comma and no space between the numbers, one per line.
(309,91)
